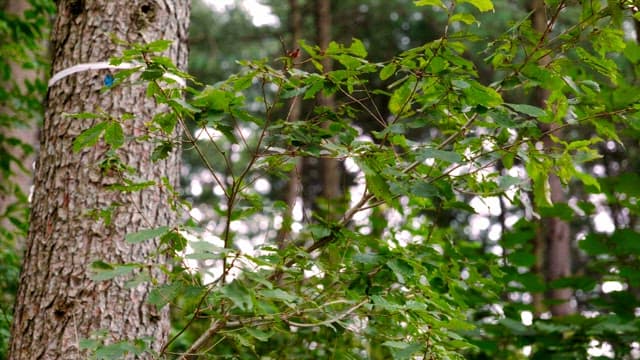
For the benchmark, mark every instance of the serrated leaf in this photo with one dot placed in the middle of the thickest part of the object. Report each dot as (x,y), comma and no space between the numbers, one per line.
(167,121)
(379,187)
(163,294)
(161,151)
(89,137)
(143,235)
(113,135)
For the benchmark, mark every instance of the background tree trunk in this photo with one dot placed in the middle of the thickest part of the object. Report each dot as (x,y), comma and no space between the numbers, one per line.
(330,168)
(554,237)
(294,184)
(57,303)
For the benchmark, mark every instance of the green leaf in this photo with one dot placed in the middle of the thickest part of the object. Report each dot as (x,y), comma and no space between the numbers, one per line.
(424,189)
(167,121)
(379,187)
(463,17)
(401,350)
(159,45)
(522,258)
(163,294)
(258,334)
(446,156)
(401,269)
(143,235)
(89,137)
(319,231)
(113,135)
(483,95)
(400,100)
(118,350)
(152,74)
(594,244)
(627,242)
(387,71)
(482,5)
(437,3)
(180,105)
(101,271)
(279,295)
(161,151)
(357,48)
(530,110)
(239,295)
(175,240)
(515,326)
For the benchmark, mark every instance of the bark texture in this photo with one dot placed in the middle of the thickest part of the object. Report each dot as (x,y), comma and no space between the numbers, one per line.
(554,235)
(57,303)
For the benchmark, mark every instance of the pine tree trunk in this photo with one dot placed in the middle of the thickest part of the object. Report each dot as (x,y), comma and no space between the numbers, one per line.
(58,304)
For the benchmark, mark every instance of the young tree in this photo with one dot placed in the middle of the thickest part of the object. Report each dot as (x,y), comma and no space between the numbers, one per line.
(81,212)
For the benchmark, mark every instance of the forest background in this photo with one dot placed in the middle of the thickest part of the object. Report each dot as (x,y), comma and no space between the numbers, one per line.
(433,180)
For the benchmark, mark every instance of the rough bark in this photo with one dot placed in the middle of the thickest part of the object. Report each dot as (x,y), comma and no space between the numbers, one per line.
(554,237)
(331,173)
(58,304)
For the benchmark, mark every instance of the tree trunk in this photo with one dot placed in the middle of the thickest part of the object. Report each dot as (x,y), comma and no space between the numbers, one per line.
(554,237)
(58,304)
(330,168)
(294,185)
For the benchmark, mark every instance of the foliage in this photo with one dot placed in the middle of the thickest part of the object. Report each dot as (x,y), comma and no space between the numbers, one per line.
(400,274)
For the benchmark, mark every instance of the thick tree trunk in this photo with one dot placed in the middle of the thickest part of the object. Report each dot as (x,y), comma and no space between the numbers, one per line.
(554,237)
(58,304)
(330,168)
